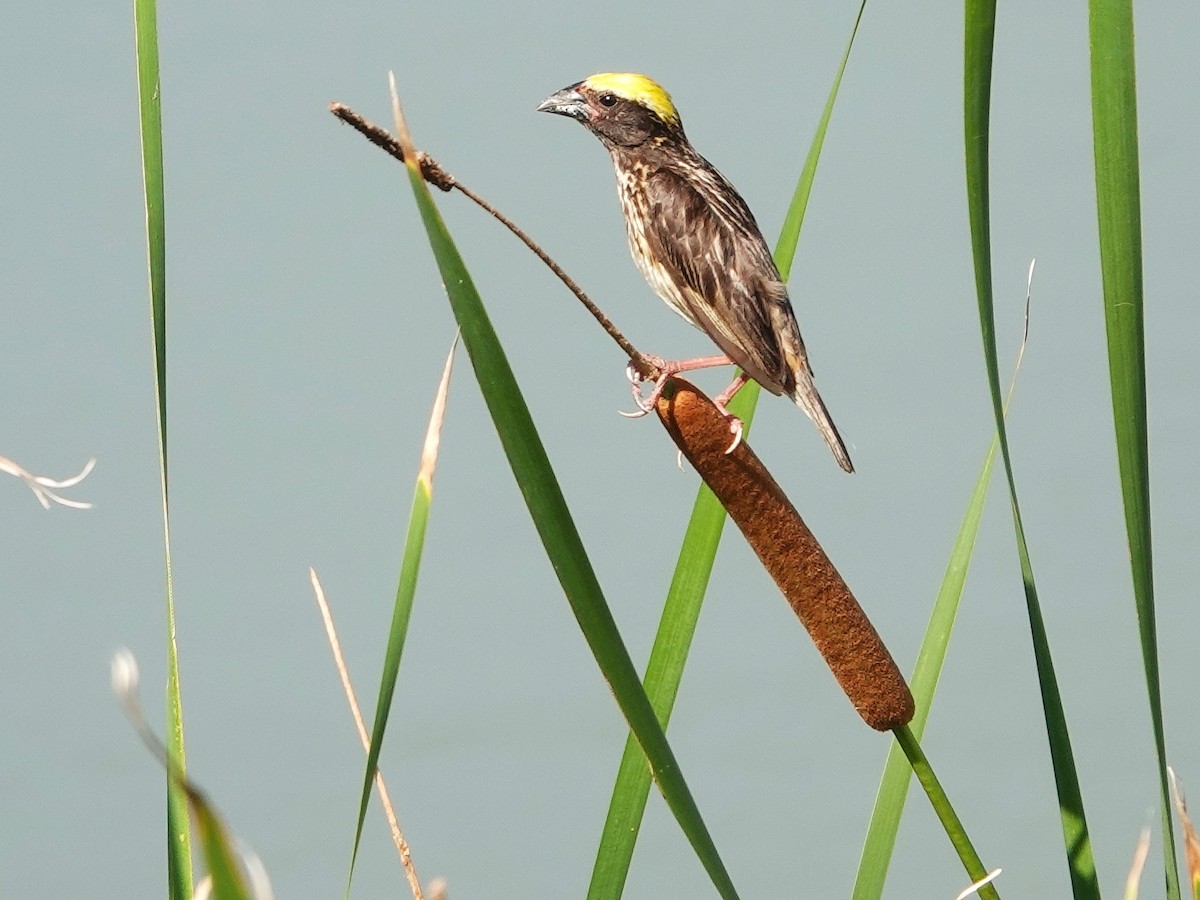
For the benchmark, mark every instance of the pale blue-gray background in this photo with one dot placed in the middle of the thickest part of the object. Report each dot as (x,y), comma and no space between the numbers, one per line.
(306,329)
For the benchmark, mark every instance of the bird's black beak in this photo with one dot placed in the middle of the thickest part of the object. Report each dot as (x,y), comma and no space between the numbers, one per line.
(567,102)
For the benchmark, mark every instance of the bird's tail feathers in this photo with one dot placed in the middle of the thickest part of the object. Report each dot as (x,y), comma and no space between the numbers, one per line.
(810,401)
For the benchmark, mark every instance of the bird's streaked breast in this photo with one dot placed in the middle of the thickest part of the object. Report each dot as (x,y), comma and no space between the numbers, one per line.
(635,205)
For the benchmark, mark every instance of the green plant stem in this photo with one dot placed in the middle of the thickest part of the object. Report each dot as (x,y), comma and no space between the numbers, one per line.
(945,812)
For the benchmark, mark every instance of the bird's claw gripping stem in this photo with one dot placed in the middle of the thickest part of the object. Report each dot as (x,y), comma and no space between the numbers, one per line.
(645,405)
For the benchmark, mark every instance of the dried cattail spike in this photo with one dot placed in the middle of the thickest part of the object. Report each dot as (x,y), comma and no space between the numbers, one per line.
(818,595)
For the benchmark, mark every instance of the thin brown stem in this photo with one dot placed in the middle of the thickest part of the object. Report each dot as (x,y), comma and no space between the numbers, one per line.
(440,178)
(385,800)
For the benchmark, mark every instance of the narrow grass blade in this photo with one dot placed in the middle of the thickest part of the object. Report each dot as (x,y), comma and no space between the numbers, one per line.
(223,868)
(664,672)
(406,589)
(1133,878)
(1118,207)
(980,25)
(681,611)
(554,524)
(179,854)
(225,880)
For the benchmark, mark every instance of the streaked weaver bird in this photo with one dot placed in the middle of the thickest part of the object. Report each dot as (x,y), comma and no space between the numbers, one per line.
(697,244)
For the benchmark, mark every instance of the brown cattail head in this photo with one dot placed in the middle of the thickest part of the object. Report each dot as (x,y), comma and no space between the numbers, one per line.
(818,595)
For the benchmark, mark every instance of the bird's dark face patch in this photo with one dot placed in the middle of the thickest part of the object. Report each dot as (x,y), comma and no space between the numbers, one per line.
(619,121)
(617,118)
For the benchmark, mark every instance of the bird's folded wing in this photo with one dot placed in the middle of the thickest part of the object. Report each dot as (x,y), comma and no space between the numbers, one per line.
(713,251)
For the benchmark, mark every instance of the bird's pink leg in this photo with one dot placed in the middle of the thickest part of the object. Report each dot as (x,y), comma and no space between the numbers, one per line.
(726,395)
(735,424)
(668,367)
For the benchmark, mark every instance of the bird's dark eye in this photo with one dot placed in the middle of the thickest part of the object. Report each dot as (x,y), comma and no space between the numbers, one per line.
(607,99)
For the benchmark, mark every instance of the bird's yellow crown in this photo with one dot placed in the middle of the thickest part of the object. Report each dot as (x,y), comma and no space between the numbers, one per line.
(638,88)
